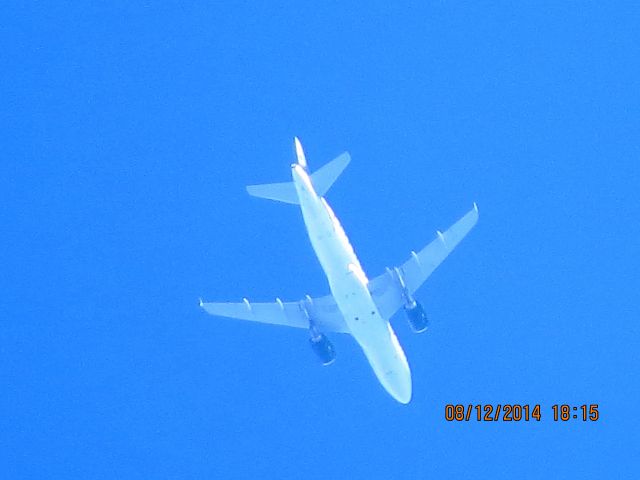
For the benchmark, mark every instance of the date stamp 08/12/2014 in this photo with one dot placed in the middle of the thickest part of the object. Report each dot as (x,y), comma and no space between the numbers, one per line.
(519,412)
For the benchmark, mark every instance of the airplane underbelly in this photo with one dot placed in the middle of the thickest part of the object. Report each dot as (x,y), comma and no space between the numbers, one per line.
(374,334)
(348,285)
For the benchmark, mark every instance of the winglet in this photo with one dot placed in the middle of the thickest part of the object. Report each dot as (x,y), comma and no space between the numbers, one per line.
(245,300)
(200,302)
(475,207)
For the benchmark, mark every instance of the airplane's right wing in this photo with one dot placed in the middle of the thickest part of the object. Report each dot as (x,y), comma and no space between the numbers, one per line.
(323,311)
(386,289)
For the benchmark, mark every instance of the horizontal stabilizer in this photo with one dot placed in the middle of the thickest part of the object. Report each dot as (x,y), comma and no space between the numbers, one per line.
(326,175)
(322,180)
(280,192)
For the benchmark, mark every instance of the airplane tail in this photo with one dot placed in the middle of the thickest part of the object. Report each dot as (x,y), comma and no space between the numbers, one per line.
(322,180)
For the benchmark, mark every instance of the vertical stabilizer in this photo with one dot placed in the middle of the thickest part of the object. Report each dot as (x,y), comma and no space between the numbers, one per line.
(302,161)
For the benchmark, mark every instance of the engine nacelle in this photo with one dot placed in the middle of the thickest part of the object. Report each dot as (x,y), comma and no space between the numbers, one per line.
(323,348)
(417,317)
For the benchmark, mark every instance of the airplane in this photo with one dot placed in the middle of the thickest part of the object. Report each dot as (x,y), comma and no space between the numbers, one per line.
(356,305)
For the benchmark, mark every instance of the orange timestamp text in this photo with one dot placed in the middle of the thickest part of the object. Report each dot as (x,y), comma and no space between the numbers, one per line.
(518,412)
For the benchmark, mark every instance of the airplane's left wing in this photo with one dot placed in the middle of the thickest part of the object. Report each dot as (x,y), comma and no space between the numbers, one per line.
(322,311)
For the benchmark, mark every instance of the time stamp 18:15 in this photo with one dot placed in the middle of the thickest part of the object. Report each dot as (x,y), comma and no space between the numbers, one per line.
(519,412)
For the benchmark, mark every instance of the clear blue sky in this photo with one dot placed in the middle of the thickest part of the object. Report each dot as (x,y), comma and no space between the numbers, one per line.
(128,135)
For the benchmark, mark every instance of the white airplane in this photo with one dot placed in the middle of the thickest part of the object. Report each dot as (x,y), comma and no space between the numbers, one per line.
(356,305)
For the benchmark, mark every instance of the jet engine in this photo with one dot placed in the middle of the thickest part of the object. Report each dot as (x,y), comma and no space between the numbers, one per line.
(416,316)
(323,348)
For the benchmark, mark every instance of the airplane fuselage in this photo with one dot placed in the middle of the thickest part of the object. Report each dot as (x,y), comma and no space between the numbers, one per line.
(348,284)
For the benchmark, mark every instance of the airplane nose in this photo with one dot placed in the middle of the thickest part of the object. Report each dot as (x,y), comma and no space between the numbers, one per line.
(402,390)
(397,383)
